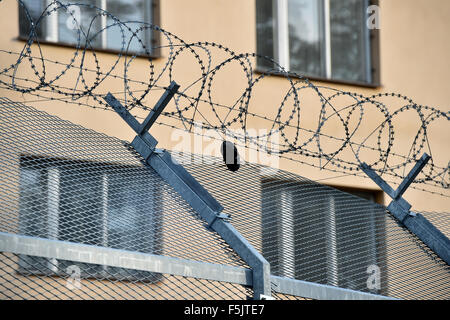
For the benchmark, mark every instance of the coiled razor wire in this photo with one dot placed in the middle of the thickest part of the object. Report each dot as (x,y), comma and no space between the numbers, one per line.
(196,107)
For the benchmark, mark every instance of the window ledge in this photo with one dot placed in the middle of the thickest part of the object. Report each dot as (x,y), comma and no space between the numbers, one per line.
(260,70)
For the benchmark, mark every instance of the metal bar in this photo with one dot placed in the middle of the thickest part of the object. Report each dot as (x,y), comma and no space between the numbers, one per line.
(327,35)
(159,107)
(332,247)
(148,16)
(53,186)
(144,145)
(105,192)
(82,253)
(19,244)
(287,241)
(51,22)
(412,175)
(104,24)
(367,46)
(319,291)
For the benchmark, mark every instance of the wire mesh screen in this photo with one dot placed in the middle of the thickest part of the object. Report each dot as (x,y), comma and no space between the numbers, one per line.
(34,279)
(312,232)
(62,181)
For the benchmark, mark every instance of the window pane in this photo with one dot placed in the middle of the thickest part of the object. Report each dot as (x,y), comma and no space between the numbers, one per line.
(308,226)
(264,30)
(62,26)
(90,24)
(306,37)
(348,40)
(359,230)
(127,11)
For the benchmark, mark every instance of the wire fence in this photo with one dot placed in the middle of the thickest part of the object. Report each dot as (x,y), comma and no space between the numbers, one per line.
(68,184)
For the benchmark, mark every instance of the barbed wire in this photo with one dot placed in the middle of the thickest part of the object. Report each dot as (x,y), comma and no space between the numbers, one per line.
(84,76)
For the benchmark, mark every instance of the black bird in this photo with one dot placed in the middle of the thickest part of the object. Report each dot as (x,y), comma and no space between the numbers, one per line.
(230,156)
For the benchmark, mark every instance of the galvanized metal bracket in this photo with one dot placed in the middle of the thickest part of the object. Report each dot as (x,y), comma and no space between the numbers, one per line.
(401,209)
(192,191)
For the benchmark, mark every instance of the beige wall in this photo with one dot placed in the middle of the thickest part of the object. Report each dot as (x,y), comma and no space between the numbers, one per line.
(414,62)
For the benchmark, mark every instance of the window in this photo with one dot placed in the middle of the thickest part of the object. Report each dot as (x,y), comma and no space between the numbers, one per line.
(89,203)
(97,31)
(318,234)
(323,39)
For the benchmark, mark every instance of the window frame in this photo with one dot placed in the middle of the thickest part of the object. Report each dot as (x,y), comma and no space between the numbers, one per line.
(281,47)
(154,36)
(53,215)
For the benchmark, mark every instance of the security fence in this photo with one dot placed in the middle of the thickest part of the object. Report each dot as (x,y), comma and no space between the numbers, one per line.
(82,217)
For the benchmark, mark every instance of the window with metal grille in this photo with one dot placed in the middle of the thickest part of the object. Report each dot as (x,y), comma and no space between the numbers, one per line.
(319,234)
(86,23)
(322,39)
(90,203)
